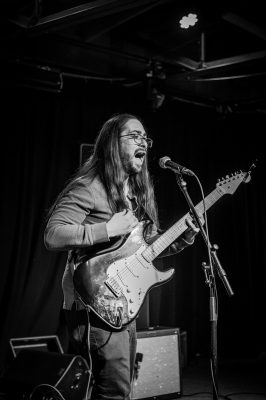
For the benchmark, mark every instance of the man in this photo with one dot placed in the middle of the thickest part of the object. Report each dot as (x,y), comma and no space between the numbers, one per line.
(100,206)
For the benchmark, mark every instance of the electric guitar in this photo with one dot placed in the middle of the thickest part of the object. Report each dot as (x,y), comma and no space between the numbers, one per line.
(114,284)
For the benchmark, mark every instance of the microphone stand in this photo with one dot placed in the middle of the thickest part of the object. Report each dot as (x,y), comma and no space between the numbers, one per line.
(210,280)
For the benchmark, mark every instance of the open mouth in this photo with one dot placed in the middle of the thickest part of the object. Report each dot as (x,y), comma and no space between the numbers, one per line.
(140,154)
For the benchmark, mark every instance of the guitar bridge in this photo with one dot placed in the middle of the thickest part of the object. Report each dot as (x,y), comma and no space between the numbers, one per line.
(113,287)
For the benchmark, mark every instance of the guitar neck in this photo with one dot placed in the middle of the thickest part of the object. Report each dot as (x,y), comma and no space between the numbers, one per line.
(168,237)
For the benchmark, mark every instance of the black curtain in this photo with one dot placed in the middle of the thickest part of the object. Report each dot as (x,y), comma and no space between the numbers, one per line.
(41,138)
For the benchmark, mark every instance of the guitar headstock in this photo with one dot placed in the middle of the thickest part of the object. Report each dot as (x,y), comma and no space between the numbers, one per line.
(229,184)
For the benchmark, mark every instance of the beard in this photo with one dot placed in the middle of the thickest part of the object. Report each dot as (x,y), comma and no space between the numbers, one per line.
(132,165)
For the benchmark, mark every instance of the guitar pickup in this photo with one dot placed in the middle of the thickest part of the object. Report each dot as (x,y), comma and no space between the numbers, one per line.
(113,286)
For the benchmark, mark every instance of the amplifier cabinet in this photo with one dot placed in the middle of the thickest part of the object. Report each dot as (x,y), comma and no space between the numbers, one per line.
(157,372)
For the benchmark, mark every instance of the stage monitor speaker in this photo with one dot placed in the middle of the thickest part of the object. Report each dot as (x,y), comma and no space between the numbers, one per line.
(157,369)
(39,375)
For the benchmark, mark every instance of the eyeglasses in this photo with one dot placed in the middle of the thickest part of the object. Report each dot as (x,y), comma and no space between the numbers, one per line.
(139,138)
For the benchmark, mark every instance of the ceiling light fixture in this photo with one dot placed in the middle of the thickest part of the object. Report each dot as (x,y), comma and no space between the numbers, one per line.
(189,20)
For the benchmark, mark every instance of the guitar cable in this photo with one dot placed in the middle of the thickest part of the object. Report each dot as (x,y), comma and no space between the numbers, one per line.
(89,348)
(52,394)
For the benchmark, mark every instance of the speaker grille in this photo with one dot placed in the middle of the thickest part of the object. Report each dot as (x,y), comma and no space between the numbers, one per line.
(158,370)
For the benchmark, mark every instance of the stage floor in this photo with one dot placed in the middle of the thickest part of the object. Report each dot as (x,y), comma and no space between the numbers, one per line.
(238,379)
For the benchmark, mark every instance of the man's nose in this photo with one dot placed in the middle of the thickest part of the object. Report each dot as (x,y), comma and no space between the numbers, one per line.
(143,143)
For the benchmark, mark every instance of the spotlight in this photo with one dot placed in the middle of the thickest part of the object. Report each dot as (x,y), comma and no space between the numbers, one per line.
(189,20)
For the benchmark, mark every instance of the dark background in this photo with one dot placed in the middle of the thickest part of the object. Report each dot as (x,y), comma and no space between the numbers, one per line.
(42,131)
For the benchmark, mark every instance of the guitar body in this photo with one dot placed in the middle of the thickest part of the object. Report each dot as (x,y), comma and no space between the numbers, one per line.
(114,284)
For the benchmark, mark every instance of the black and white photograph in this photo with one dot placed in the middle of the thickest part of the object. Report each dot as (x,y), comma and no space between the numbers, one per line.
(133,200)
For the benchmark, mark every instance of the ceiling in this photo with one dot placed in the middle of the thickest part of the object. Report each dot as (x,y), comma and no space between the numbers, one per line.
(220,62)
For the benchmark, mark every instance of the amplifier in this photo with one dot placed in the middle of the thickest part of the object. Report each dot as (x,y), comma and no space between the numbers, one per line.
(157,369)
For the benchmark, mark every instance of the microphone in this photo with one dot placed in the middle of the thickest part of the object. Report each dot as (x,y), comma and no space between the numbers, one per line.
(165,162)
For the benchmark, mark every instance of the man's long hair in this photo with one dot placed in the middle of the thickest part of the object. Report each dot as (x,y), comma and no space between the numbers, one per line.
(105,162)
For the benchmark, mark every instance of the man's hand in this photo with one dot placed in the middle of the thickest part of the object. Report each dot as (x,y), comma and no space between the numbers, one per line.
(121,223)
(192,230)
